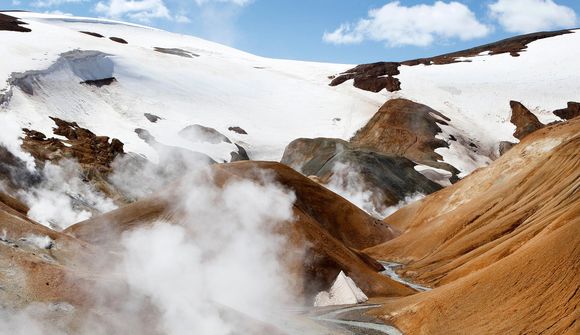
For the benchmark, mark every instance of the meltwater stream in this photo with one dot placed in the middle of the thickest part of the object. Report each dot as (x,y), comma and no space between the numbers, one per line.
(390,272)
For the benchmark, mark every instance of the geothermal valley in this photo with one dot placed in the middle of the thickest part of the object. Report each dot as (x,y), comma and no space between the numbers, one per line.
(156,183)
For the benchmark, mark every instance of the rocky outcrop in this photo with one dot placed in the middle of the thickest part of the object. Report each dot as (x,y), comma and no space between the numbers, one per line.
(372,77)
(382,75)
(500,246)
(524,120)
(388,178)
(95,153)
(570,112)
(407,129)
(10,23)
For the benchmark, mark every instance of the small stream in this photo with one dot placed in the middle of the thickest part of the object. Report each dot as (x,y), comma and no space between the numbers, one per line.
(357,327)
(390,271)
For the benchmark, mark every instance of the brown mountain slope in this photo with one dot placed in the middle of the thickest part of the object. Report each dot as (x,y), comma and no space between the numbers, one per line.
(328,227)
(502,246)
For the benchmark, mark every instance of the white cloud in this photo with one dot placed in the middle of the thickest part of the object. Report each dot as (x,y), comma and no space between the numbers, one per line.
(52,3)
(233,2)
(418,25)
(525,16)
(140,10)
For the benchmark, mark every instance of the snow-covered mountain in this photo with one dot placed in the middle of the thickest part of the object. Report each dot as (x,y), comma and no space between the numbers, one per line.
(181,81)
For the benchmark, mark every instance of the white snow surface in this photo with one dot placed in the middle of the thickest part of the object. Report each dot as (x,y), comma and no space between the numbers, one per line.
(275,101)
(343,292)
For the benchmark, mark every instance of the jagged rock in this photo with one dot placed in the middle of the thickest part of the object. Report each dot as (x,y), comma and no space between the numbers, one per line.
(91,151)
(524,120)
(10,23)
(570,112)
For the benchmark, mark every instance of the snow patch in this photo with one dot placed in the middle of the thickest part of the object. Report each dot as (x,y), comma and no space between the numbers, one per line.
(343,292)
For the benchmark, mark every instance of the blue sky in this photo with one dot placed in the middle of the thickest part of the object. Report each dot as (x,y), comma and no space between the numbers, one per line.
(344,31)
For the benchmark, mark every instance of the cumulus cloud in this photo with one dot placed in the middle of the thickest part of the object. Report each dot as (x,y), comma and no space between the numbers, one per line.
(525,16)
(419,25)
(139,10)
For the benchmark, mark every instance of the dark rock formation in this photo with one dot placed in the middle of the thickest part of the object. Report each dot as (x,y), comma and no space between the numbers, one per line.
(10,23)
(176,52)
(524,120)
(570,112)
(308,156)
(94,153)
(405,128)
(390,178)
(240,155)
(118,40)
(92,34)
(152,117)
(100,82)
(238,130)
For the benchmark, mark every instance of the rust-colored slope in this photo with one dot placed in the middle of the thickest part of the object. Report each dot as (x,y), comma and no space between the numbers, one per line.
(502,246)
(36,270)
(328,227)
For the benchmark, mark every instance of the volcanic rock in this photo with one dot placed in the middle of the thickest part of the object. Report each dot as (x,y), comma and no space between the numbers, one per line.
(570,112)
(524,120)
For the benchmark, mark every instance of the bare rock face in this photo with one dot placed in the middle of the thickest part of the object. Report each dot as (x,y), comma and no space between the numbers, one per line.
(308,156)
(524,120)
(405,128)
(570,112)
(91,151)
(382,75)
(389,178)
(10,23)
